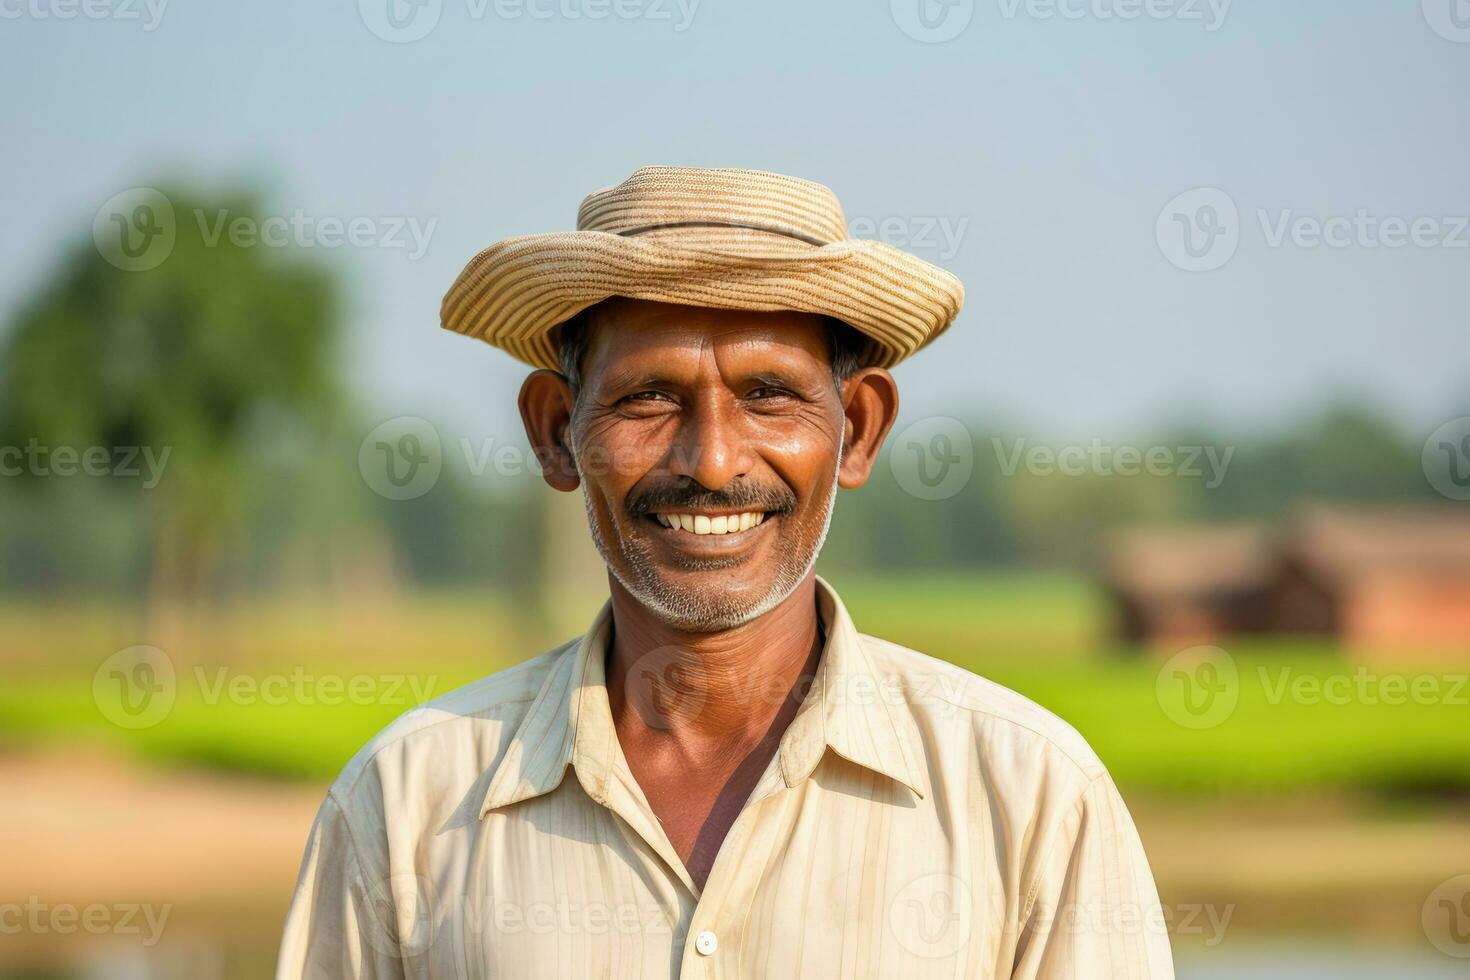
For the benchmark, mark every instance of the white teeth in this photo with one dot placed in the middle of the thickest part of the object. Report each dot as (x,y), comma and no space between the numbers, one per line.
(704,524)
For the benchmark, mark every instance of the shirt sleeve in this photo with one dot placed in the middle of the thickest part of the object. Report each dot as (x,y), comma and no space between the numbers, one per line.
(342,924)
(1093,912)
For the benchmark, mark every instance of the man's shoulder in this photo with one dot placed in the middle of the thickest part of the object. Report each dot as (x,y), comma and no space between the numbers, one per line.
(1003,721)
(467,726)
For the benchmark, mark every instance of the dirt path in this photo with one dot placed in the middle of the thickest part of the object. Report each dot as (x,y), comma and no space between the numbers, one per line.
(82,829)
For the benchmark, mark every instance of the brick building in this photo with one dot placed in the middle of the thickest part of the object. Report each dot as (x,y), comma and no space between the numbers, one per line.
(1390,580)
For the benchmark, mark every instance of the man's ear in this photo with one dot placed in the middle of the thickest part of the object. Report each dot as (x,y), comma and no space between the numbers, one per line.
(546,402)
(870,404)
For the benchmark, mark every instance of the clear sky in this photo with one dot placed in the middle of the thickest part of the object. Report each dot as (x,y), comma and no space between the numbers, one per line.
(1045,139)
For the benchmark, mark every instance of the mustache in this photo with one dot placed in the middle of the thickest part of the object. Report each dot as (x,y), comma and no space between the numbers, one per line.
(683,493)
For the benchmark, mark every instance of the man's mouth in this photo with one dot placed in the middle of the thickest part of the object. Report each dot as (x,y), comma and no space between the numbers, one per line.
(728,523)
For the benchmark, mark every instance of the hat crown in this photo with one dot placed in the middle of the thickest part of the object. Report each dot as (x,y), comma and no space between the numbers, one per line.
(663,197)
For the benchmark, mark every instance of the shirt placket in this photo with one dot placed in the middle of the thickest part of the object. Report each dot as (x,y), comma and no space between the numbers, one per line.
(712,942)
(714,947)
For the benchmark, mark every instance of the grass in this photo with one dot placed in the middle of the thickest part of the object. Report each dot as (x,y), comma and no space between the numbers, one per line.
(1040,636)
(977,618)
(1271,742)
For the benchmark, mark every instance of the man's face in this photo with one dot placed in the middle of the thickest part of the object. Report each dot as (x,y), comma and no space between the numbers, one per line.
(708,444)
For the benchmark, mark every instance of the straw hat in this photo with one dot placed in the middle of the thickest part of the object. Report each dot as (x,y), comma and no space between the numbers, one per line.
(732,239)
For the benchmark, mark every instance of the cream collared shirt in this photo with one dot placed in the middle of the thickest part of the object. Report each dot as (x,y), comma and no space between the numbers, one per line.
(916,821)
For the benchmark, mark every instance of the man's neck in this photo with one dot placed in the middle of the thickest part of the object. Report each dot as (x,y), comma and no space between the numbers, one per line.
(699,716)
(727,686)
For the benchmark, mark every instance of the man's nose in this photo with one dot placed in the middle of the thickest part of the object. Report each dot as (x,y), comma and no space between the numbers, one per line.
(711,448)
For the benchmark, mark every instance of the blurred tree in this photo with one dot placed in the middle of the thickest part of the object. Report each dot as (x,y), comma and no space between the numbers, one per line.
(1344,451)
(160,347)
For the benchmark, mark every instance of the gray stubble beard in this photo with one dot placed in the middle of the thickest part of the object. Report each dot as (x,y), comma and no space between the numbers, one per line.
(694,613)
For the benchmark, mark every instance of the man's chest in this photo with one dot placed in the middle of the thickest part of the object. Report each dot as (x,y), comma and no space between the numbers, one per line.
(837,877)
(696,806)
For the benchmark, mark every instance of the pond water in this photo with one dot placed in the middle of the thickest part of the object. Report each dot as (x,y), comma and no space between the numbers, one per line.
(1293,961)
(1265,961)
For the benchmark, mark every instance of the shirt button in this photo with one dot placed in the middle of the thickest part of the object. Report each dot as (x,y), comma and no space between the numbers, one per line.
(706,943)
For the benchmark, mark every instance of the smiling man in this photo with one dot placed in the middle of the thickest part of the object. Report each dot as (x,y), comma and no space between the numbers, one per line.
(723,777)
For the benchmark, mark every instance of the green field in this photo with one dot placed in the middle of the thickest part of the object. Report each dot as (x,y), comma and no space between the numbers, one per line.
(1303,719)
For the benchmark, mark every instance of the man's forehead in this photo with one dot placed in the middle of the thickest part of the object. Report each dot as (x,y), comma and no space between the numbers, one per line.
(635,330)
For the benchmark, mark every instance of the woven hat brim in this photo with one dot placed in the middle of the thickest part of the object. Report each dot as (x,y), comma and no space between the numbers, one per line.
(514,293)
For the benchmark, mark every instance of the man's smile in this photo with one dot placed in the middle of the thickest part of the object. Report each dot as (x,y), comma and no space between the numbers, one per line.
(711,523)
(724,535)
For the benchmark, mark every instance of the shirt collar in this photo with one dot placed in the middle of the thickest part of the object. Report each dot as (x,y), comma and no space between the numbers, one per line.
(849,709)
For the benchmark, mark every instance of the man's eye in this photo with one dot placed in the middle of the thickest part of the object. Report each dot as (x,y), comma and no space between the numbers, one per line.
(646,396)
(768,391)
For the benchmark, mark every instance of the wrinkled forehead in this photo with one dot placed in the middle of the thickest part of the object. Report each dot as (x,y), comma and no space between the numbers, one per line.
(637,336)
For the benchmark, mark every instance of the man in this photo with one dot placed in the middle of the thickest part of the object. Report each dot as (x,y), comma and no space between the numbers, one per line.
(722,778)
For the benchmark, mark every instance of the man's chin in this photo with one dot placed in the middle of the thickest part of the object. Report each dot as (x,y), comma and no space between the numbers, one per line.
(709,583)
(703,600)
